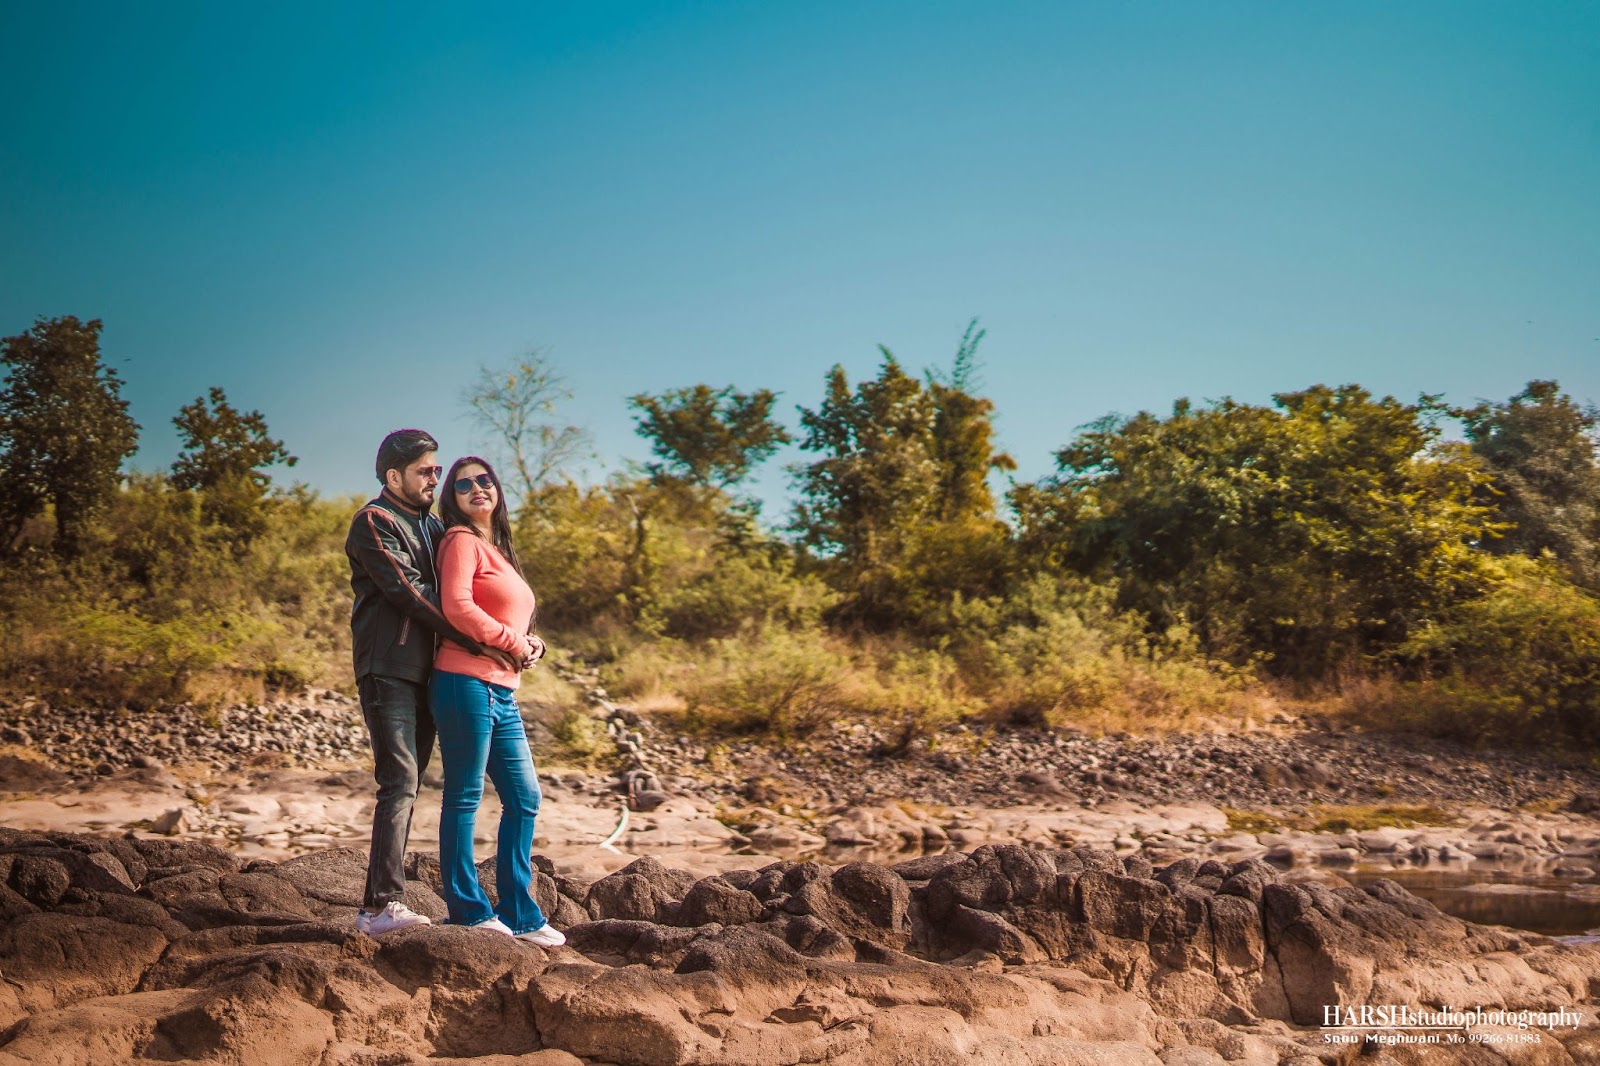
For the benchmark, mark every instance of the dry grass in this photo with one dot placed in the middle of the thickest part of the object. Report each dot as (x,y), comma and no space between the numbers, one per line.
(1328,818)
(1252,821)
(1332,819)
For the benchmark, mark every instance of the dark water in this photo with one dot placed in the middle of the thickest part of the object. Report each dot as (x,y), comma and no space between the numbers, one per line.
(1536,902)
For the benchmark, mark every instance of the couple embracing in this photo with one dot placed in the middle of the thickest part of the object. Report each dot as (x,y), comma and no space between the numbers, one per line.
(442,630)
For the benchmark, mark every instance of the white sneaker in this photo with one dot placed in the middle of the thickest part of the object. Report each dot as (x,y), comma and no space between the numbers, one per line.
(546,936)
(394,916)
(493,925)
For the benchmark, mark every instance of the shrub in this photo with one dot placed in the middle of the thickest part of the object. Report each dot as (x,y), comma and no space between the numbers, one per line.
(161,608)
(1521,662)
(788,682)
(1058,652)
(744,589)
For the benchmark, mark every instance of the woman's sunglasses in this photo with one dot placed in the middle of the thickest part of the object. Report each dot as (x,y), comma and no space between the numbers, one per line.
(464,484)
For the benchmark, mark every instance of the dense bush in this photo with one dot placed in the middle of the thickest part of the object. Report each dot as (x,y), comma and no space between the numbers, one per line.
(1520,663)
(1060,651)
(160,606)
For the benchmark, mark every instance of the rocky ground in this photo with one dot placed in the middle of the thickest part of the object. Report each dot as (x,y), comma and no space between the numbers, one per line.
(1289,765)
(119,950)
(180,887)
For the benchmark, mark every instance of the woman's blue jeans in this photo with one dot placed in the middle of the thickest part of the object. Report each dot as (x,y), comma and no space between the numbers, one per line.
(480,728)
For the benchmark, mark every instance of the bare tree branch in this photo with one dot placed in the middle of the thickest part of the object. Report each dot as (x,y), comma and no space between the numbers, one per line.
(516,404)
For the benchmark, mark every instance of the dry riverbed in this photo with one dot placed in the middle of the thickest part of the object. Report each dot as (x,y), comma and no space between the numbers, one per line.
(183,886)
(290,778)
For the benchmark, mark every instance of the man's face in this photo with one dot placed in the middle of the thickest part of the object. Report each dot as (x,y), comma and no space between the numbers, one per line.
(417,482)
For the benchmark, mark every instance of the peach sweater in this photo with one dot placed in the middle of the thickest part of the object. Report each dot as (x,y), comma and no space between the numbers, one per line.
(487,600)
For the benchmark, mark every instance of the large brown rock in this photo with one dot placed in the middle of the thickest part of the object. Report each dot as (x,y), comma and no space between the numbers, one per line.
(128,910)
(713,900)
(57,959)
(475,981)
(249,1022)
(179,855)
(96,871)
(1048,956)
(1008,901)
(861,901)
(618,942)
(642,891)
(333,882)
(206,898)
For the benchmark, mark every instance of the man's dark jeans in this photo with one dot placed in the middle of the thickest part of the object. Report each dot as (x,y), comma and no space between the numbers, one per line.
(400,726)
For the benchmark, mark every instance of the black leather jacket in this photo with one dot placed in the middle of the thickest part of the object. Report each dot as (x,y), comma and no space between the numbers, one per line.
(396,618)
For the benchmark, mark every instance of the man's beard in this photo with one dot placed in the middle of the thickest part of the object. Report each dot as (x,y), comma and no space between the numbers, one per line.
(416,499)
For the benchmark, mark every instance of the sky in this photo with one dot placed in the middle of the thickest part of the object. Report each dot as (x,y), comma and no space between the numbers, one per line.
(338,213)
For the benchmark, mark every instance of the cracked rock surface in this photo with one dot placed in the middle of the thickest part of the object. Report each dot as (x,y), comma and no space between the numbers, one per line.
(126,950)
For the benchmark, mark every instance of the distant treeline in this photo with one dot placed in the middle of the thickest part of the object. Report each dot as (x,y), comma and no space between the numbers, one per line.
(1175,569)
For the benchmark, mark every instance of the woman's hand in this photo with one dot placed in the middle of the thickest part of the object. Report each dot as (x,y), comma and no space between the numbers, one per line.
(536,650)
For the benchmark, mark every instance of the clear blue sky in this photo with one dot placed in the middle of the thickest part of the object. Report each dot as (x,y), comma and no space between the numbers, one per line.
(337,213)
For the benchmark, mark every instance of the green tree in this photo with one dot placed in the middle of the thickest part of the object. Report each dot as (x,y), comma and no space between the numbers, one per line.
(877,478)
(963,436)
(224,457)
(1313,532)
(64,430)
(1541,448)
(898,504)
(708,438)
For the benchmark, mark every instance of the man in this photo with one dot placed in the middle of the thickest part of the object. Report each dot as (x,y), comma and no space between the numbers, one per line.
(394,627)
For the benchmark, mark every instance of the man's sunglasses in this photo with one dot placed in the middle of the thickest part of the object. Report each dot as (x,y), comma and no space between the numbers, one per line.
(430,473)
(464,484)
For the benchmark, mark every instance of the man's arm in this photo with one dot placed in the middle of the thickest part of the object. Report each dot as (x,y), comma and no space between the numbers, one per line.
(381,552)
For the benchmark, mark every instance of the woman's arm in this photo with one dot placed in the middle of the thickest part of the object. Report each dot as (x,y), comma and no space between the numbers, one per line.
(458,559)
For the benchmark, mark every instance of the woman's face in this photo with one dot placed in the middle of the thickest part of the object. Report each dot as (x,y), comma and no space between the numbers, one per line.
(476,492)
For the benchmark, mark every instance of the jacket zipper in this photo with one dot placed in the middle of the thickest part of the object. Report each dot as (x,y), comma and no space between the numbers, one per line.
(405,631)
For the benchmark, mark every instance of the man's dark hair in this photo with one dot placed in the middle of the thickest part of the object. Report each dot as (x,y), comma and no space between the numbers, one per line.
(402,448)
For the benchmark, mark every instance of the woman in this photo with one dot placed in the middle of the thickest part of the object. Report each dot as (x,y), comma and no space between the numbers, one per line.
(483,594)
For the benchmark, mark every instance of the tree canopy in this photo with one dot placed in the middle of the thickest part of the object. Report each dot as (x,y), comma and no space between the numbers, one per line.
(708,438)
(898,502)
(1312,531)
(1541,448)
(518,404)
(64,430)
(225,455)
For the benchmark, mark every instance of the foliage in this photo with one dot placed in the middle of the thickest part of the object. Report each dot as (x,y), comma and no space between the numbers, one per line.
(224,458)
(708,439)
(788,683)
(1059,651)
(1151,583)
(1321,818)
(744,588)
(1541,448)
(64,430)
(588,550)
(898,505)
(1308,534)
(1329,818)
(1519,663)
(514,403)
(582,741)
(963,436)
(636,553)
(158,608)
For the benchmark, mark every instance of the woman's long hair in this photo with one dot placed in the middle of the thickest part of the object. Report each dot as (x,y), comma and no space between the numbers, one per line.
(499,521)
